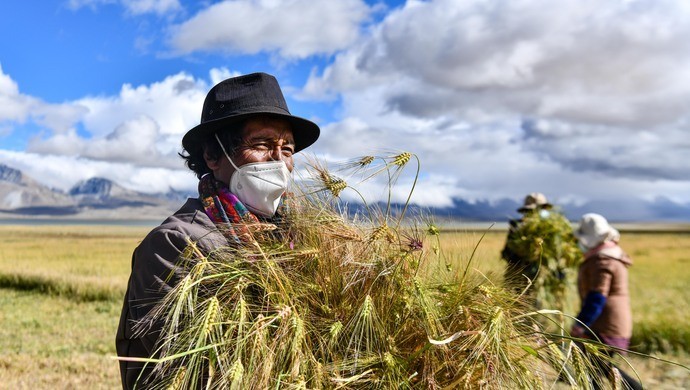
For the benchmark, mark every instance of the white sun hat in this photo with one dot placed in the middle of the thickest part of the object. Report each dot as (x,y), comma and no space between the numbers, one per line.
(594,229)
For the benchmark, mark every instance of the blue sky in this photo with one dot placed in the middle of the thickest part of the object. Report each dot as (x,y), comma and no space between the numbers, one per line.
(578,99)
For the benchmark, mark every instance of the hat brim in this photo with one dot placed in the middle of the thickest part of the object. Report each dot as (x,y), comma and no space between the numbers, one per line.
(305,132)
(591,240)
(545,206)
(587,240)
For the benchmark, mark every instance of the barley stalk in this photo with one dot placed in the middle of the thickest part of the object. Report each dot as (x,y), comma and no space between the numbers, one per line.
(402,159)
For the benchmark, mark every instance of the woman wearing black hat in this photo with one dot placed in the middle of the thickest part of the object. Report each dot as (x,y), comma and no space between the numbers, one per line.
(242,153)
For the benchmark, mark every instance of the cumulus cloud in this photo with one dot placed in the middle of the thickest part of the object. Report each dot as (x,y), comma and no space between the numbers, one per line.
(134,141)
(651,155)
(512,97)
(13,105)
(142,125)
(294,29)
(174,103)
(19,108)
(577,60)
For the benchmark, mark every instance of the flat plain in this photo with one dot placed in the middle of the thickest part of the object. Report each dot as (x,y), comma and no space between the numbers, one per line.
(61,290)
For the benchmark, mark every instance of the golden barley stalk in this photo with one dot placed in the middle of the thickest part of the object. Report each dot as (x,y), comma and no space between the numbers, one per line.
(211,316)
(617,379)
(402,159)
(366,160)
(193,249)
(366,307)
(179,378)
(298,335)
(334,332)
(260,227)
(379,232)
(336,186)
(236,374)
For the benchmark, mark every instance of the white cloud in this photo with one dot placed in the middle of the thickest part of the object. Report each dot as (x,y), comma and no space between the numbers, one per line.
(63,172)
(142,125)
(160,7)
(135,141)
(460,82)
(577,60)
(20,108)
(13,105)
(218,75)
(173,103)
(93,4)
(293,28)
(58,117)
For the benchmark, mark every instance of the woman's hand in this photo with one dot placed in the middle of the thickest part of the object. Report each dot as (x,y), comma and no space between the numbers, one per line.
(578,331)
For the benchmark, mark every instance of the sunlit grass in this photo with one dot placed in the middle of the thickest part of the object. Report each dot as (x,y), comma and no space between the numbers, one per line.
(659,290)
(478,248)
(49,342)
(82,262)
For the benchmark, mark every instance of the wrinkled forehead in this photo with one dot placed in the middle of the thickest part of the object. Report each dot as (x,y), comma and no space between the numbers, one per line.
(268,128)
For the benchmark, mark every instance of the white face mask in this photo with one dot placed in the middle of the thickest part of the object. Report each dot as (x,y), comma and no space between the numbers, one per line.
(260,185)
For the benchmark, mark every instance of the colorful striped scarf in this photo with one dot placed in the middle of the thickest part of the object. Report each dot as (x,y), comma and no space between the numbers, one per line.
(226,210)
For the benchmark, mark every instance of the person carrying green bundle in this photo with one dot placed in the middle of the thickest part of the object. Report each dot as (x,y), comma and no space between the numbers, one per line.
(541,253)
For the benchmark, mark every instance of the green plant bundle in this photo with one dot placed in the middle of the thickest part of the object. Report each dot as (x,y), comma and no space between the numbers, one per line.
(331,301)
(548,255)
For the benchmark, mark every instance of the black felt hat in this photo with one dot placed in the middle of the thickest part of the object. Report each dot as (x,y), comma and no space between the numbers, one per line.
(239,98)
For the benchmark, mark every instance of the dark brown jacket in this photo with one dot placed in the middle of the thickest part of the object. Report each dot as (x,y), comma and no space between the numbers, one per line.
(605,270)
(153,275)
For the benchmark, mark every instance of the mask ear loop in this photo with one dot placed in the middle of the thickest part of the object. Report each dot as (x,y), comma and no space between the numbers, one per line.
(225,152)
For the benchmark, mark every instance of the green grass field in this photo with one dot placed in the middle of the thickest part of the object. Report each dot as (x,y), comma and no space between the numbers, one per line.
(62,286)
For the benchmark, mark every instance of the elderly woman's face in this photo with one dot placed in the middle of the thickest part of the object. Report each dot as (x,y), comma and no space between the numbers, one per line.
(263,139)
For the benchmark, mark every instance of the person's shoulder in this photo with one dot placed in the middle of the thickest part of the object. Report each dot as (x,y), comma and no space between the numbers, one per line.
(610,258)
(189,223)
(513,223)
(616,254)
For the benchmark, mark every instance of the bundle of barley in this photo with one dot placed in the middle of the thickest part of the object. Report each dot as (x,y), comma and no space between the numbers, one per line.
(329,301)
(549,256)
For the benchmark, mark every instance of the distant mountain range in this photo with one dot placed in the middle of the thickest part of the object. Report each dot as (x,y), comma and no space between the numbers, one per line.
(630,210)
(22,197)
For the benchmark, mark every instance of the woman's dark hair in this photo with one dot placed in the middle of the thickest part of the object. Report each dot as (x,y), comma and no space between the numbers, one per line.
(194,158)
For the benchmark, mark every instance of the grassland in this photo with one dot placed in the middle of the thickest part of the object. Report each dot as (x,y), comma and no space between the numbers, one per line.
(61,289)
(60,299)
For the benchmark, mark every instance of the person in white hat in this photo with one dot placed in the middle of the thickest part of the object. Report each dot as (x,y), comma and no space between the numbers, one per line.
(602,282)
